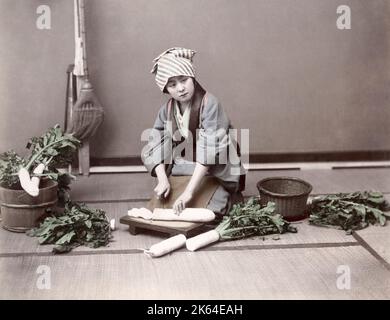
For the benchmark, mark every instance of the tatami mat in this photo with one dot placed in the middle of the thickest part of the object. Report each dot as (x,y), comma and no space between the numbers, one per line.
(329,181)
(124,186)
(377,238)
(17,243)
(263,274)
(303,265)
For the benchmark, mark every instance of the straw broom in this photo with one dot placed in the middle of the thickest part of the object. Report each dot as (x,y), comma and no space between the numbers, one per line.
(87,113)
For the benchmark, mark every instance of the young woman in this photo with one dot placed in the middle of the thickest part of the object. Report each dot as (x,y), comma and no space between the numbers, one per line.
(190,148)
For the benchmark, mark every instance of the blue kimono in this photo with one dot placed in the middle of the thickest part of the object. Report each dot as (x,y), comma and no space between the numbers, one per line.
(210,143)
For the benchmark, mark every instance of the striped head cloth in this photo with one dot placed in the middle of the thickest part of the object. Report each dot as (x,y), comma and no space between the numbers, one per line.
(171,63)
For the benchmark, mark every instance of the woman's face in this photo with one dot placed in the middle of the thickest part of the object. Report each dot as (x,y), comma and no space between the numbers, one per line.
(181,88)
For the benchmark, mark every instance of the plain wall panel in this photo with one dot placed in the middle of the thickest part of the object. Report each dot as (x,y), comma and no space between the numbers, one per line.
(281,68)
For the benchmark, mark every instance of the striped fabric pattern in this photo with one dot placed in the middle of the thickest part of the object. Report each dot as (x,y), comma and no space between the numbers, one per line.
(171,63)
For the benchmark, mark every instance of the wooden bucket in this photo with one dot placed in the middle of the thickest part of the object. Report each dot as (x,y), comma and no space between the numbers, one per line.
(21,212)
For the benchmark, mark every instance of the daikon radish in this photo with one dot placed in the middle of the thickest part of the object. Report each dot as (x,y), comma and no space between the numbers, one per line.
(38,170)
(112,224)
(202,240)
(140,213)
(31,185)
(166,246)
(188,214)
(26,183)
(244,220)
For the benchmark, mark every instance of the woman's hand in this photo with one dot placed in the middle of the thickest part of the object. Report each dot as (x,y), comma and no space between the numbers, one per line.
(163,188)
(181,202)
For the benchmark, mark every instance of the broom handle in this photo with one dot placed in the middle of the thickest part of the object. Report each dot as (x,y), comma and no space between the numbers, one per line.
(83,35)
(80,68)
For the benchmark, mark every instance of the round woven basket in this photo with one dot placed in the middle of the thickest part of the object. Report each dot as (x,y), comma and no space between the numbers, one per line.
(289,195)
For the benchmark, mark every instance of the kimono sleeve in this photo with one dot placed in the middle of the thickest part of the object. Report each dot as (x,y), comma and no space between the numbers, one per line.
(159,147)
(213,139)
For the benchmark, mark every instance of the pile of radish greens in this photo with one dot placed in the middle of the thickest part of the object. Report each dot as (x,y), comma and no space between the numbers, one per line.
(77,225)
(252,219)
(349,211)
(244,220)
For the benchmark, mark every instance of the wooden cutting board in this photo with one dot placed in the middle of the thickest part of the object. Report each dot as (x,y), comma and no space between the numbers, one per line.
(137,225)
